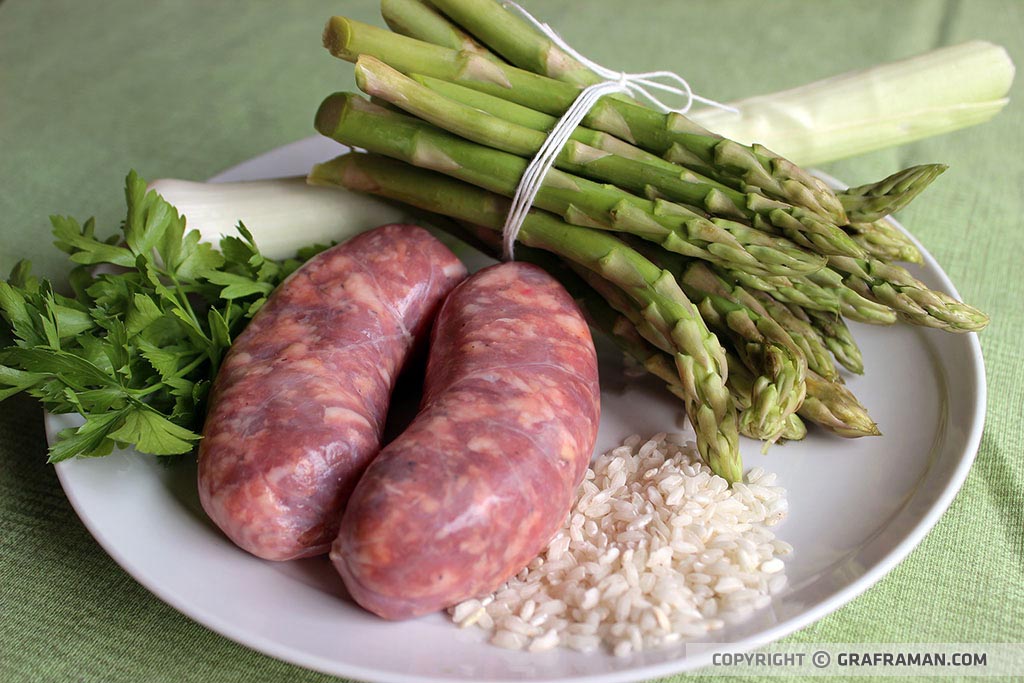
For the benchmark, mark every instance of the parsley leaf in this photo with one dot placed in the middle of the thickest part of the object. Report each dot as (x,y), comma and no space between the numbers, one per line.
(91,440)
(152,314)
(153,433)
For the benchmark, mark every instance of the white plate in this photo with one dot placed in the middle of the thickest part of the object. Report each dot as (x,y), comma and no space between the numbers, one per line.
(856,509)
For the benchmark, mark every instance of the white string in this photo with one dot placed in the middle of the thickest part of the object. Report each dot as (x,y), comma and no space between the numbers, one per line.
(533,176)
(638,85)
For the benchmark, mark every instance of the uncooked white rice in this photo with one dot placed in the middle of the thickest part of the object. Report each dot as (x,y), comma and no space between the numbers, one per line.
(656,549)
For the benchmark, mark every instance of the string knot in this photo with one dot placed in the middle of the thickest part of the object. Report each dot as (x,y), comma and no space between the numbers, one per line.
(640,86)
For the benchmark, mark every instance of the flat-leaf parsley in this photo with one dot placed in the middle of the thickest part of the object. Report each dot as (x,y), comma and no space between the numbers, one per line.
(136,345)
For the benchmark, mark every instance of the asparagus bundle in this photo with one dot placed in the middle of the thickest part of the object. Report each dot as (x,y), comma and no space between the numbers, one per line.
(721,268)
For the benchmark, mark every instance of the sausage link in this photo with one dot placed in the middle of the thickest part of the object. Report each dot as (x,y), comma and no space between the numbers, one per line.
(299,403)
(485,474)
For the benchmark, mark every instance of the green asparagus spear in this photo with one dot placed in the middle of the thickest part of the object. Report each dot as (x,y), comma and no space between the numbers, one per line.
(837,337)
(868,203)
(827,294)
(766,348)
(417,19)
(742,385)
(611,312)
(537,120)
(699,359)
(881,240)
(833,406)
(827,284)
(377,79)
(739,310)
(516,41)
(783,289)
(778,389)
(349,119)
(739,315)
(682,140)
(803,334)
(912,300)
(528,49)
(764,411)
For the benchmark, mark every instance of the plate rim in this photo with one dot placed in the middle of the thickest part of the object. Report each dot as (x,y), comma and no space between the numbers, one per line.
(885,564)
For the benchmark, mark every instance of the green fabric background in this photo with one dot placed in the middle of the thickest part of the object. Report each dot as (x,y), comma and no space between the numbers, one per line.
(188,88)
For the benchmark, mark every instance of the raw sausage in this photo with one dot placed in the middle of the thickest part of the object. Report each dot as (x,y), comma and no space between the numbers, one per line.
(484,476)
(300,400)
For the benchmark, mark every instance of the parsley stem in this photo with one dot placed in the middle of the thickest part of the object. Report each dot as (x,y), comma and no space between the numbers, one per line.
(185,303)
(199,360)
(196,362)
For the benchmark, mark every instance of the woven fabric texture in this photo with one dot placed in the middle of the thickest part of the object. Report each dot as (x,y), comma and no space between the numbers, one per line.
(188,88)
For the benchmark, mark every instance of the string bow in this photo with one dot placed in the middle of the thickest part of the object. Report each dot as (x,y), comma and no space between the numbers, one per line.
(637,85)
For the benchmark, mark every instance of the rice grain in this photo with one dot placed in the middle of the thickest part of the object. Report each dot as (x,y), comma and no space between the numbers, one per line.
(656,549)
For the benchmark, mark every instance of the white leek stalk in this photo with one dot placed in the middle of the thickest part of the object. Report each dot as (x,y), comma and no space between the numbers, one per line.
(283,214)
(883,106)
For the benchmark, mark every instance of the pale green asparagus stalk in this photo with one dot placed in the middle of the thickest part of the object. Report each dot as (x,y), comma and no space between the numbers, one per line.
(761,323)
(863,310)
(725,200)
(541,122)
(784,290)
(826,283)
(734,305)
(624,305)
(522,45)
(353,121)
(744,386)
(672,135)
(699,359)
(377,79)
(758,399)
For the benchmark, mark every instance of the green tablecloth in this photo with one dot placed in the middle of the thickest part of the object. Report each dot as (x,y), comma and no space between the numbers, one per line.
(187,88)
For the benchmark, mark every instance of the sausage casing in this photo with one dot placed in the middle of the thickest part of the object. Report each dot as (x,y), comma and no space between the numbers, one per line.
(485,474)
(299,403)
